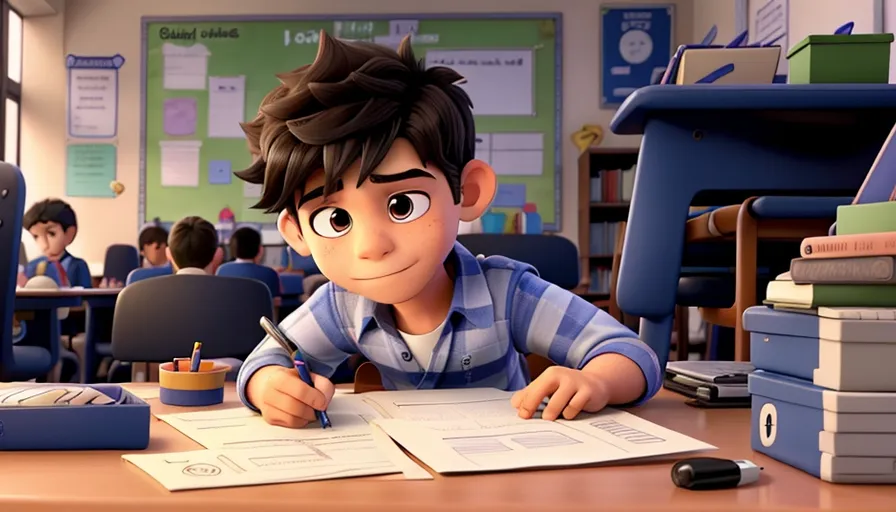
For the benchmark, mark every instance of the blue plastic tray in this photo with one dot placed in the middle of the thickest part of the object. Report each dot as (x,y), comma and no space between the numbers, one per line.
(120,426)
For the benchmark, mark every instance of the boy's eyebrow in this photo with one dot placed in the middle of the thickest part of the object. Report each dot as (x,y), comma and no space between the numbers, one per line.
(315,193)
(401,176)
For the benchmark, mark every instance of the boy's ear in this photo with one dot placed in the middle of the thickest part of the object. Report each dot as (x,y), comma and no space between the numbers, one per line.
(292,233)
(478,185)
(70,234)
(168,255)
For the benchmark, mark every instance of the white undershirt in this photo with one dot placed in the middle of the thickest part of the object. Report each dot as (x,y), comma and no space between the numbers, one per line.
(422,345)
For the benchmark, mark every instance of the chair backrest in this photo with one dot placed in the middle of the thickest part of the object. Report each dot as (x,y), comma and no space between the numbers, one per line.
(139,274)
(266,275)
(158,319)
(12,208)
(120,260)
(555,257)
(292,260)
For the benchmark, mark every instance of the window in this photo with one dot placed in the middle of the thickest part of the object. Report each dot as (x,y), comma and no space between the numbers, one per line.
(11,135)
(11,30)
(14,41)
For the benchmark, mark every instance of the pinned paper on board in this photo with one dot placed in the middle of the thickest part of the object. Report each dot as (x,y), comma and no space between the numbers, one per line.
(512,154)
(226,106)
(185,67)
(93,96)
(219,172)
(179,116)
(89,168)
(499,82)
(252,190)
(510,195)
(180,163)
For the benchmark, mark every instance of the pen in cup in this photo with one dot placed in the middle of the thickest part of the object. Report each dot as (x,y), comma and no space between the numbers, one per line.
(196,358)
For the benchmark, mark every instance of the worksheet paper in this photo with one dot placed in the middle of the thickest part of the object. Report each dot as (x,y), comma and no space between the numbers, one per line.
(477,430)
(243,450)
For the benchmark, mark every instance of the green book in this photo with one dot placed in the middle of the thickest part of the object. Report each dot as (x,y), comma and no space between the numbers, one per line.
(786,293)
(859,219)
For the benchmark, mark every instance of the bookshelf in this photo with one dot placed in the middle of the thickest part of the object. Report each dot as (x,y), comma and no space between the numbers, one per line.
(606,180)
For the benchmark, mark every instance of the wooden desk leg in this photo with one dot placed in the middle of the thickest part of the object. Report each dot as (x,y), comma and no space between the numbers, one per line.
(682,342)
(746,275)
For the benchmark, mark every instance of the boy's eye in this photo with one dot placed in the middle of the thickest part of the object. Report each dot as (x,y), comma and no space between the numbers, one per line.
(331,222)
(408,206)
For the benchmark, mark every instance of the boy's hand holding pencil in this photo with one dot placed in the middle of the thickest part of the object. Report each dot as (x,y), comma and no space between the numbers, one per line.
(285,400)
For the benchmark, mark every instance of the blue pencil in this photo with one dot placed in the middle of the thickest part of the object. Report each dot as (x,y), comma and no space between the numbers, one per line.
(197,356)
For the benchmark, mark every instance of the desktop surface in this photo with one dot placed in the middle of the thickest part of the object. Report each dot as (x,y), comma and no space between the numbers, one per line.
(102,481)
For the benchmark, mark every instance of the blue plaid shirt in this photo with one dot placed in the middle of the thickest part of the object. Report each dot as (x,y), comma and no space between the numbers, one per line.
(500,312)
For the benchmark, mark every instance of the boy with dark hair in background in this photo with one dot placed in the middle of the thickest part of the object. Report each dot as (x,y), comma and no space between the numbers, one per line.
(368,157)
(245,246)
(153,242)
(248,252)
(54,225)
(193,247)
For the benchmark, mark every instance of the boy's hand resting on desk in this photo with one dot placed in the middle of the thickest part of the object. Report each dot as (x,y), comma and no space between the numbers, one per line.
(608,379)
(285,400)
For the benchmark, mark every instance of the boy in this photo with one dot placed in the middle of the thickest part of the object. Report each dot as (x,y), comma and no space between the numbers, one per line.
(153,242)
(53,224)
(246,248)
(193,247)
(369,160)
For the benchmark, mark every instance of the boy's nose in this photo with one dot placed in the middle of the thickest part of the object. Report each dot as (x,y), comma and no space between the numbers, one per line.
(372,244)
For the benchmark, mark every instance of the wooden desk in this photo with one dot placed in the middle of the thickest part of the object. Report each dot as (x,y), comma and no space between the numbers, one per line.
(101,481)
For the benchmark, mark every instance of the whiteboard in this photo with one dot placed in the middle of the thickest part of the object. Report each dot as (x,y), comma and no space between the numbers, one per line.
(499,82)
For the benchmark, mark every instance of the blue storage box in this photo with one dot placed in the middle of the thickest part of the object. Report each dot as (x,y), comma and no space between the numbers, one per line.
(123,425)
(840,437)
(846,349)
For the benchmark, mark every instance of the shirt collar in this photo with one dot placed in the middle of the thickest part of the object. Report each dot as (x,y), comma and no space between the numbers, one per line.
(192,271)
(472,298)
(241,260)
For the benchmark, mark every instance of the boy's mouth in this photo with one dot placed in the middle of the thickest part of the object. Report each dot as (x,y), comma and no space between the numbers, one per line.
(384,275)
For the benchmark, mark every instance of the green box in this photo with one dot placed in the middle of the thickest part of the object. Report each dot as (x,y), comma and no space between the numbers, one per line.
(840,59)
(859,219)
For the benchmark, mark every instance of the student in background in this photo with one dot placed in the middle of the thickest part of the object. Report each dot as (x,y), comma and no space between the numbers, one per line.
(193,247)
(245,246)
(153,242)
(53,224)
(248,252)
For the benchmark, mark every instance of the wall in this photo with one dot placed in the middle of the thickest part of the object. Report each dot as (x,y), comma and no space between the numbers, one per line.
(106,27)
(720,13)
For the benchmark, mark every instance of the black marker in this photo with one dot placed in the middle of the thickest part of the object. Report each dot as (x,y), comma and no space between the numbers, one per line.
(706,473)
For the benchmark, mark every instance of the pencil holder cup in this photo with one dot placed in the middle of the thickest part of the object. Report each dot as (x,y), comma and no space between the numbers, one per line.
(192,389)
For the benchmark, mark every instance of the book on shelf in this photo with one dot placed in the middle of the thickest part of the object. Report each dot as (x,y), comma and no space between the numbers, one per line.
(603,237)
(613,186)
(784,292)
(600,279)
(848,246)
(860,270)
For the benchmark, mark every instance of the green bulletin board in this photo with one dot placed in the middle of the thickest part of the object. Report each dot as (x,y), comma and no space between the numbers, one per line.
(202,77)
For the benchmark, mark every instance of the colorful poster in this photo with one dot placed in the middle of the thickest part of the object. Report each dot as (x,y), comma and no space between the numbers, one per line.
(90,170)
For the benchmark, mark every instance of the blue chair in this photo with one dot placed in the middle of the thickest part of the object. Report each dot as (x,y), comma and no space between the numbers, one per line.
(555,257)
(139,274)
(120,261)
(291,260)
(266,275)
(39,351)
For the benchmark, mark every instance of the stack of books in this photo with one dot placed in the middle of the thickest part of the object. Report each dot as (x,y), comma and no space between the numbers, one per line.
(823,397)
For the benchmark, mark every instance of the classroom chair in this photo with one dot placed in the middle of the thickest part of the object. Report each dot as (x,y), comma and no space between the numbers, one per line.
(139,274)
(266,275)
(555,257)
(158,319)
(758,219)
(19,361)
(120,261)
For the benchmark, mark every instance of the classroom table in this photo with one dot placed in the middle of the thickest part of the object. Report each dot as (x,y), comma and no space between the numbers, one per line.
(44,326)
(93,299)
(719,144)
(101,481)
